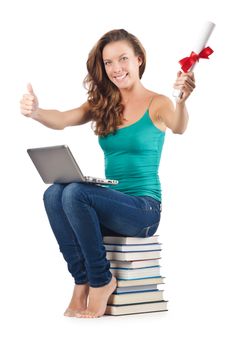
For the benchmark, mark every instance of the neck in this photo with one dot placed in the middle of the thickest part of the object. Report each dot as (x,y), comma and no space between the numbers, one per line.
(132,93)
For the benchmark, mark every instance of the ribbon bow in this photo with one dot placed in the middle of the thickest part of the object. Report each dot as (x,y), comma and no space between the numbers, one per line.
(188,62)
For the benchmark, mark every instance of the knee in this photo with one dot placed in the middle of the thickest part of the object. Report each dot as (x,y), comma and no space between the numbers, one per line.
(73,192)
(53,193)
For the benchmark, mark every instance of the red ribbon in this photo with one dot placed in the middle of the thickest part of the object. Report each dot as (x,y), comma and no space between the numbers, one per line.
(188,62)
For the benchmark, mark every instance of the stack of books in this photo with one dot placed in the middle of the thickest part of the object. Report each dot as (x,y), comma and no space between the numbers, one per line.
(135,262)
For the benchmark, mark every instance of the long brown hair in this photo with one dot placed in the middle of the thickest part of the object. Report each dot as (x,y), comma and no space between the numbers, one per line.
(106,108)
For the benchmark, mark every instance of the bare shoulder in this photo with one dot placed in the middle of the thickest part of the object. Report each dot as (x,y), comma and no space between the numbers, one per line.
(160,101)
(163,101)
(160,107)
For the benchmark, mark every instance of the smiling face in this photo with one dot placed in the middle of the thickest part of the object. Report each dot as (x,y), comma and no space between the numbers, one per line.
(121,64)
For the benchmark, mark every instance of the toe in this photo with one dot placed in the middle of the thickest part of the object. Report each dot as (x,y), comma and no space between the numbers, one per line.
(82,314)
(70,313)
(86,314)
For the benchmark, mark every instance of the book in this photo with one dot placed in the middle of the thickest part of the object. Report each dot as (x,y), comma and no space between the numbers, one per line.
(129,256)
(135,264)
(131,289)
(132,247)
(127,309)
(130,240)
(135,297)
(139,281)
(150,271)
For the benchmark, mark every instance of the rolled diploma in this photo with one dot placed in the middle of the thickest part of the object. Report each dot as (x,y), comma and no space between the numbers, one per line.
(200,44)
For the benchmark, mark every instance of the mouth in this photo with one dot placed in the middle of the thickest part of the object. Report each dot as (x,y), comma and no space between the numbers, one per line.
(120,77)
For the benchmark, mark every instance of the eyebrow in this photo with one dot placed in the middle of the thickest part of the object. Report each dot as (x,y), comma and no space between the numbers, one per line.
(107,59)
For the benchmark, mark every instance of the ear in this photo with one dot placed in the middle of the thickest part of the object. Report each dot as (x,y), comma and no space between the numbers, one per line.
(140,61)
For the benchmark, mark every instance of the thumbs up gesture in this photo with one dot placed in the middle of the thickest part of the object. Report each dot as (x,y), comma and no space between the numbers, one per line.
(29,103)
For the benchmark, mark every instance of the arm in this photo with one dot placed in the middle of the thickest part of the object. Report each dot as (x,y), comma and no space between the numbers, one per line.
(55,119)
(176,118)
(52,118)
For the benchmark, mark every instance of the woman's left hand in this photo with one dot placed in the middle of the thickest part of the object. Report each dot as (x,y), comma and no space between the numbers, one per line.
(186,83)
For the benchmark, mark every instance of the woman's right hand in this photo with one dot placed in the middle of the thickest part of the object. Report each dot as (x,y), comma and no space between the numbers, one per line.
(29,103)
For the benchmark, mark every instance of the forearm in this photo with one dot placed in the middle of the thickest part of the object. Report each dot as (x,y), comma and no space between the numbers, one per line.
(181,117)
(51,118)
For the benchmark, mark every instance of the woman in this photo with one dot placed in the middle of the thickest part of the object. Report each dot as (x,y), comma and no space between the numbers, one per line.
(130,122)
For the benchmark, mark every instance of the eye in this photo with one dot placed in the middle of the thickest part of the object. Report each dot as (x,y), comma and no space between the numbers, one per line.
(124,58)
(106,63)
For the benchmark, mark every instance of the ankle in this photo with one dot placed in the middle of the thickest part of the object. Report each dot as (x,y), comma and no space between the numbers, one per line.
(81,289)
(82,286)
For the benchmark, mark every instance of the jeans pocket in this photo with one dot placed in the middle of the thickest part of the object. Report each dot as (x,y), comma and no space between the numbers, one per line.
(145,204)
(148,231)
(151,204)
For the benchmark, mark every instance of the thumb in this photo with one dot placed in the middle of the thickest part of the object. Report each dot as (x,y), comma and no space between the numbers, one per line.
(179,74)
(30,89)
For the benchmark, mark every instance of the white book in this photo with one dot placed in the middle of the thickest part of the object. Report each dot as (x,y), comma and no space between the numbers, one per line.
(136,308)
(139,281)
(131,289)
(129,256)
(132,247)
(136,273)
(134,264)
(130,240)
(137,297)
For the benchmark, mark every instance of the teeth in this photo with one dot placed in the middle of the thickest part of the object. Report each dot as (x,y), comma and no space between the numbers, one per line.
(121,77)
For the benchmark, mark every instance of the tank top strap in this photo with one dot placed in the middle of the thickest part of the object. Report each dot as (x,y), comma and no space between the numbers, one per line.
(150,102)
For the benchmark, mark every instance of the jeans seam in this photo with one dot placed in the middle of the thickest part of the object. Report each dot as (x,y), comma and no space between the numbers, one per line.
(128,205)
(147,228)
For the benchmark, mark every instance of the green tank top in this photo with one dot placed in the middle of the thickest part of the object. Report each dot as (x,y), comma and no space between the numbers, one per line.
(132,156)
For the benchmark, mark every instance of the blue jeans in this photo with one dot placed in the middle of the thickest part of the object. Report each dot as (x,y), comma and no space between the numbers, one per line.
(80,214)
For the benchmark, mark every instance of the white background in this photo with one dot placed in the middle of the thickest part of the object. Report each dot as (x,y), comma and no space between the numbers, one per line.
(47,43)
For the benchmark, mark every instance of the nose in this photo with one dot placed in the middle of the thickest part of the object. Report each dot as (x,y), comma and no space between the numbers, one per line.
(117,68)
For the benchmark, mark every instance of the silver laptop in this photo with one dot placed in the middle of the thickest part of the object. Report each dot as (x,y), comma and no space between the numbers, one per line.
(56,164)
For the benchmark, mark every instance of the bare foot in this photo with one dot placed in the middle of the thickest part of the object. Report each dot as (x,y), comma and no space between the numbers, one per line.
(98,298)
(79,300)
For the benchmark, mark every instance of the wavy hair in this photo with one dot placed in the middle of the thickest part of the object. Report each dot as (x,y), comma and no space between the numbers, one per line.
(105,100)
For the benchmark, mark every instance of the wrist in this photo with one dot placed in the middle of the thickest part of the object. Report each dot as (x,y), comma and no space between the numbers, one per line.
(36,113)
(180,102)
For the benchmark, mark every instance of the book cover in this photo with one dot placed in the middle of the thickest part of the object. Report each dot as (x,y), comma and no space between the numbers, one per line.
(135,297)
(131,289)
(139,281)
(130,240)
(135,264)
(129,256)
(150,271)
(132,247)
(136,308)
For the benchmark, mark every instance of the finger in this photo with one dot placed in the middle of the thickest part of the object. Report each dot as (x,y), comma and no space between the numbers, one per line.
(26,112)
(26,107)
(190,81)
(30,89)
(29,97)
(191,75)
(185,84)
(187,89)
(185,81)
(27,102)
(184,87)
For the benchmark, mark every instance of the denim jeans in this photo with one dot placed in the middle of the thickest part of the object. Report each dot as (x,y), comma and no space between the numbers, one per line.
(80,214)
